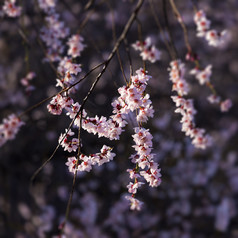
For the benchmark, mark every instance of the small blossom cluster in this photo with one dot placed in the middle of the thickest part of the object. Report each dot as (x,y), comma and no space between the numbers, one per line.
(76,45)
(46,5)
(54,32)
(186,108)
(26,82)
(86,162)
(10,8)
(68,144)
(9,128)
(133,97)
(176,75)
(58,103)
(213,37)
(144,161)
(147,50)
(203,76)
(135,203)
(52,35)
(225,105)
(69,71)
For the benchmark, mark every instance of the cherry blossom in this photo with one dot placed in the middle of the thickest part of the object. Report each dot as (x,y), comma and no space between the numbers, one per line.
(148,51)
(75,45)
(203,76)
(26,81)
(186,108)
(226,105)
(135,203)
(9,128)
(10,9)
(213,37)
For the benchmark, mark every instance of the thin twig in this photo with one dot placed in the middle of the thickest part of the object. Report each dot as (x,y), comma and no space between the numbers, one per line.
(63,90)
(155,15)
(180,20)
(75,173)
(128,55)
(171,41)
(115,38)
(106,63)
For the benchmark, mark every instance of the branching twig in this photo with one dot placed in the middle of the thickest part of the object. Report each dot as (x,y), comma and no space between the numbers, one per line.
(106,63)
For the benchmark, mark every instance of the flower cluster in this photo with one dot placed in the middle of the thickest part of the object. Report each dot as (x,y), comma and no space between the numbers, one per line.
(46,5)
(10,8)
(203,76)
(213,37)
(226,105)
(135,203)
(186,108)
(58,103)
(176,75)
(26,82)
(69,71)
(75,45)
(148,51)
(55,31)
(66,143)
(133,97)
(144,162)
(86,162)
(9,128)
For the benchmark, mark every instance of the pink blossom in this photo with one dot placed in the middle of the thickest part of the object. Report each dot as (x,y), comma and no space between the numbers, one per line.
(75,45)
(135,203)
(9,128)
(11,9)
(148,51)
(226,105)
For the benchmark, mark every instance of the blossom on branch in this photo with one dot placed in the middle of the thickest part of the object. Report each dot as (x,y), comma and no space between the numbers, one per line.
(147,50)
(9,128)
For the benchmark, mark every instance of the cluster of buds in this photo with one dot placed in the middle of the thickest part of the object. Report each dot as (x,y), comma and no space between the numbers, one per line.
(147,50)
(213,37)
(186,108)
(9,128)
